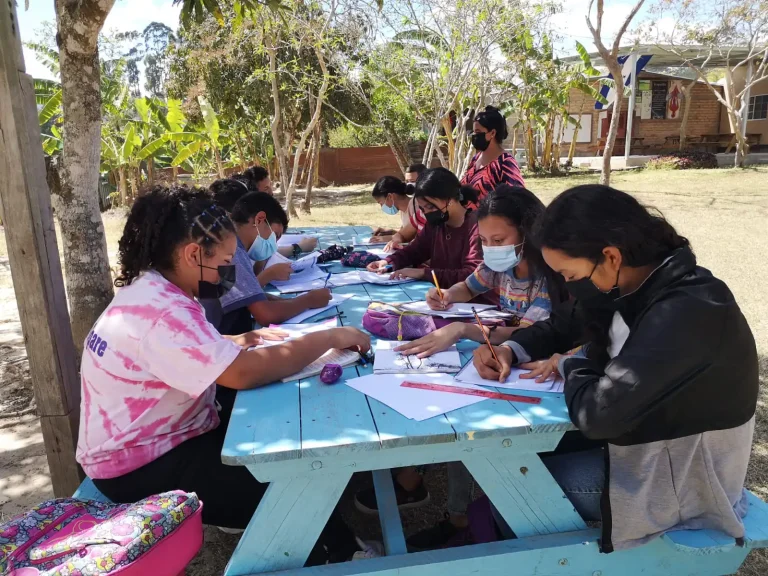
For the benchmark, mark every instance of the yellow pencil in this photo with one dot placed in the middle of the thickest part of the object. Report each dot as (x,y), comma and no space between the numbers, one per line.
(439,292)
(482,331)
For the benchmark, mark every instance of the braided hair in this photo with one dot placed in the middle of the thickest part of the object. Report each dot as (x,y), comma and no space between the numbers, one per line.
(161,220)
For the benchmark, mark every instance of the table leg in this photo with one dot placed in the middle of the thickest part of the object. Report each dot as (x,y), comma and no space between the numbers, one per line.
(524,493)
(287,524)
(389,515)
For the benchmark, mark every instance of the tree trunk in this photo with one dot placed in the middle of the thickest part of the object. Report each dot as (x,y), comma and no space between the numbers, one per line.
(613,130)
(572,147)
(175,173)
(240,152)
(135,183)
(89,283)
(312,170)
(122,187)
(451,145)
(150,171)
(686,111)
(217,158)
(514,142)
(531,148)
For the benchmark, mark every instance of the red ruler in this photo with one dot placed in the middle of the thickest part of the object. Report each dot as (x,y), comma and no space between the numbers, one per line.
(471,392)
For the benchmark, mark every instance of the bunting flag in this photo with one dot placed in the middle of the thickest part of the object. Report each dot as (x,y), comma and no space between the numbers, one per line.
(627,74)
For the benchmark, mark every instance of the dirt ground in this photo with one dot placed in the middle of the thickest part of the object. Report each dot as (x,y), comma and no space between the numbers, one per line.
(723,212)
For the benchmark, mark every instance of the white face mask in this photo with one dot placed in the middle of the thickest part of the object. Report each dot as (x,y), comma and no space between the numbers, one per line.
(502,258)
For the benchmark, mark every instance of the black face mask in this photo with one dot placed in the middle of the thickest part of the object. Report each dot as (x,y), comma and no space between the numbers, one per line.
(479,142)
(208,290)
(437,217)
(585,291)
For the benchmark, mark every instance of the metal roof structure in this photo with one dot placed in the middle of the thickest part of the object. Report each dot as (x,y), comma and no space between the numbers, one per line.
(677,56)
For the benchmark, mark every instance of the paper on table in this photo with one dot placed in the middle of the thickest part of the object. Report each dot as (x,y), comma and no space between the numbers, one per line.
(469,375)
(335,301)
(365,241)
(459,310)
(299,279)
(298,330)
(290,239)
(302,263)
(380,252)
(335,281)
(333,356)
(375,278)
(388,361)
(414,403)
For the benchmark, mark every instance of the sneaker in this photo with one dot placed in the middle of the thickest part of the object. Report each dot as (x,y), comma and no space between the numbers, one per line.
(231,530)
(365,500)
(441,535)
(368,549)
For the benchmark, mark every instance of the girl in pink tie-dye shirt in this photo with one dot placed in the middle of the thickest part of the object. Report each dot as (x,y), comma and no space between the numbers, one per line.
(149,416)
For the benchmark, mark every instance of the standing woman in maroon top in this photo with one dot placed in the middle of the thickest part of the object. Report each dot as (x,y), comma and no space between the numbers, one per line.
(491,165)
(450,240)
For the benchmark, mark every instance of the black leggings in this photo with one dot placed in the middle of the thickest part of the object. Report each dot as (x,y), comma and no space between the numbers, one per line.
(230,494)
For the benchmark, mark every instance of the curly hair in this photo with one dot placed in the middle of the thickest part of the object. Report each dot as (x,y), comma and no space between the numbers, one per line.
(161,220)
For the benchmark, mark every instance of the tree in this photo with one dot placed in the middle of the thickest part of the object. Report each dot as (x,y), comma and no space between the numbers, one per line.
(734,32)
(610,58)
(88,279)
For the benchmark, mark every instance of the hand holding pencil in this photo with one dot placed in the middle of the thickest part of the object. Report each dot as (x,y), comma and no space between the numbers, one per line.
(438,299)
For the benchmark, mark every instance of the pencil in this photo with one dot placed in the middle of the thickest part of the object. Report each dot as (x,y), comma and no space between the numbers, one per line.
(439,292)
(485,336)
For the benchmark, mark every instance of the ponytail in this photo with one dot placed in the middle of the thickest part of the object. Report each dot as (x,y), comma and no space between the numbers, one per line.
(161,220)
(442,183)
(468,195)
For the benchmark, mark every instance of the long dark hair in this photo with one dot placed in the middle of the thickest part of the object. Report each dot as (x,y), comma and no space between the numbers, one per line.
(583,220)
(227,191)
(442,183)
(161,220)
(492,119)
(522,208)
(391,185)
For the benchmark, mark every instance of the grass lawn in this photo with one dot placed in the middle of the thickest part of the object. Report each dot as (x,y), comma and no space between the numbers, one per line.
(723,212)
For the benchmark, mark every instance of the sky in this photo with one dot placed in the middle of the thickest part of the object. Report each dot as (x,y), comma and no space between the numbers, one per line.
(125,16)
(130,15)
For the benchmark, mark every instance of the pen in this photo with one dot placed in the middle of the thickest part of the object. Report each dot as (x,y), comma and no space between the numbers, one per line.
(485,336)
(325,285)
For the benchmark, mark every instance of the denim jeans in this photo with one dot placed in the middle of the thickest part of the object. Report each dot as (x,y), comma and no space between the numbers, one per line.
(581,475)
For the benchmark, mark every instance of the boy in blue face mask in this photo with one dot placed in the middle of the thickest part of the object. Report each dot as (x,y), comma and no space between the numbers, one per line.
(259,222)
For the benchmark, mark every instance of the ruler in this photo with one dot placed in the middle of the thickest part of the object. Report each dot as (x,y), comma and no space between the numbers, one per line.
(471,392)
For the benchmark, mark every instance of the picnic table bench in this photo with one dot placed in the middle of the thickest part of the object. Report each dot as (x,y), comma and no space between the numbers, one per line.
(636,144)
(307,439)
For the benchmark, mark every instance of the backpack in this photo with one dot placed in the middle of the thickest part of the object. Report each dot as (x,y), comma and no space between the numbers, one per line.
(68,537)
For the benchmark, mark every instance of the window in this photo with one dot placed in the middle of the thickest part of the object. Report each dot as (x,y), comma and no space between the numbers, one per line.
(659,100)
(758,107)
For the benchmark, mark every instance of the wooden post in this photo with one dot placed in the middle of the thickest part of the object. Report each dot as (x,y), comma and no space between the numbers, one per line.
(34,257)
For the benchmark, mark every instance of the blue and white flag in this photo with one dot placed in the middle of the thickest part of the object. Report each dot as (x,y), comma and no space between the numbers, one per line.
(626,73)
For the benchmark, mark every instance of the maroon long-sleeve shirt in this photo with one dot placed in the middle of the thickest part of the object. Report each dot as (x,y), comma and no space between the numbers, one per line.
(454,253)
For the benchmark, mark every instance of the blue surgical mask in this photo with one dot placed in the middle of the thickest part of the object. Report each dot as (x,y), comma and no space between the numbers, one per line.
(262,249)
(502,258)
(389,210)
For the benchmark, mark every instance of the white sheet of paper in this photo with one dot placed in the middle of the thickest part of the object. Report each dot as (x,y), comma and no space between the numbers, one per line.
(383,279)
(290,239)
(299,280)
(365,242)
(469,375)
(414,403)
(299,330)
(388,361)
(333,356)
(460,310)
(297,265)
(335,301)
(380,252)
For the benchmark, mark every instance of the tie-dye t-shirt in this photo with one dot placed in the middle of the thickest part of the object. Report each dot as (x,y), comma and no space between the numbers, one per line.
(147,376)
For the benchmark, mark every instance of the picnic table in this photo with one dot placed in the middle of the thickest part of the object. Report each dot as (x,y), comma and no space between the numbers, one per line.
(711,142)
(307,439)
(636,143)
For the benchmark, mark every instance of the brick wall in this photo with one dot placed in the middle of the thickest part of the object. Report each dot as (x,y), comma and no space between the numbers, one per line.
(704,118)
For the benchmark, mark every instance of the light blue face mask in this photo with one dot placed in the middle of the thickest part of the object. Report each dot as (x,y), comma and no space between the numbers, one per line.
(389,210)
(262,249)
(502,258)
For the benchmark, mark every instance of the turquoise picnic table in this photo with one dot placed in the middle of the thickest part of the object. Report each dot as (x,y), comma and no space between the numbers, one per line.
(307,439)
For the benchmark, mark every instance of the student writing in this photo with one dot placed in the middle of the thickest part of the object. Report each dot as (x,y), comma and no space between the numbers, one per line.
(148,419)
